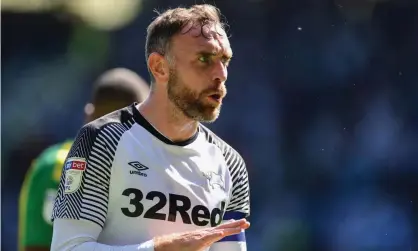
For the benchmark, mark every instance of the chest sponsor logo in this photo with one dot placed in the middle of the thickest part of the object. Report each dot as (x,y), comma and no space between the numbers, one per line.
(179,208)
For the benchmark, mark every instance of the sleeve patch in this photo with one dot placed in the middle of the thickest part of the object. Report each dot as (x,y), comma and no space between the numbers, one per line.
(74,169)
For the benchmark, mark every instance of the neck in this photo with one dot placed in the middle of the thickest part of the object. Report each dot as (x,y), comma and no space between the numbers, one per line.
(167,118)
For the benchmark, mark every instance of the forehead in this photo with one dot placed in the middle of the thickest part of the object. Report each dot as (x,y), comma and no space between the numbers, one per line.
(194,38)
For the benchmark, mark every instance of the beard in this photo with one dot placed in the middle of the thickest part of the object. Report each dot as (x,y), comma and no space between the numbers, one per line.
(192,104)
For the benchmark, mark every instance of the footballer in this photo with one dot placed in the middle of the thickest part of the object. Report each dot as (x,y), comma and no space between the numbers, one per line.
(151,176)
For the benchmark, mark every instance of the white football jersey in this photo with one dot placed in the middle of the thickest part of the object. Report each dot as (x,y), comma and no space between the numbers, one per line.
(135,184)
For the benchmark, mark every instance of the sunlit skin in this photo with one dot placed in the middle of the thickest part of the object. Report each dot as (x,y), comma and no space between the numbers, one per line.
(189,81)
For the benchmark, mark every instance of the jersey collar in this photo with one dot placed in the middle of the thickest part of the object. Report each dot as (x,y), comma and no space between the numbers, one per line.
(139,119)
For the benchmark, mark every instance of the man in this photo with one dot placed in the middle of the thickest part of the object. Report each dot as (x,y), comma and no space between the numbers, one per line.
(115,89)
(150,177)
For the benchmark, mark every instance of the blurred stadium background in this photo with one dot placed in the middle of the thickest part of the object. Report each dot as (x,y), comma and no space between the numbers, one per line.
(322,104)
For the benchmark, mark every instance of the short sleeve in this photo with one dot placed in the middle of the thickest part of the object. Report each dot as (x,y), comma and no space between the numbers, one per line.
(84,185)
(239,201)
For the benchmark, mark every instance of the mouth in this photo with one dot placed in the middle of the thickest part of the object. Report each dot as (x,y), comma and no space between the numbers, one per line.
(215,97)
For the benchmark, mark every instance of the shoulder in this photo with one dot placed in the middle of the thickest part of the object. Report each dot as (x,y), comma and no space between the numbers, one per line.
(112,124)
(101,137)
(232,156)
(122,117)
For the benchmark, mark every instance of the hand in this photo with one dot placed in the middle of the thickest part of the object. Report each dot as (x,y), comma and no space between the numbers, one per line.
(200,239)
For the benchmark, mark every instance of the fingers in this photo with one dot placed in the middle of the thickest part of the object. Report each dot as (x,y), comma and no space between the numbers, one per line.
(233,224)
(218,234)
(226,229)
(213,236)
(231,231)
(245,226)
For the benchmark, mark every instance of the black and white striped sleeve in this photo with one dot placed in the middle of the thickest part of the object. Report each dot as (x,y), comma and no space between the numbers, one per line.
(84,186)
(239,201)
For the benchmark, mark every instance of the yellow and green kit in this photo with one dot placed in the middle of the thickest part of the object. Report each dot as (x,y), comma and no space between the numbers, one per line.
(37,196)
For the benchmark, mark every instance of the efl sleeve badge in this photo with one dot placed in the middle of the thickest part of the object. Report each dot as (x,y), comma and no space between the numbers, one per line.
(74,169)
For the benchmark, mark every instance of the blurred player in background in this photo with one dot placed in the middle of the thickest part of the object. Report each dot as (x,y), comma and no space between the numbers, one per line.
(113,90)
(151,176)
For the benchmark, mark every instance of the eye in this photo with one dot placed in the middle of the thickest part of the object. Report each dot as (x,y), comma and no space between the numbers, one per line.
(204,59)
(226,61)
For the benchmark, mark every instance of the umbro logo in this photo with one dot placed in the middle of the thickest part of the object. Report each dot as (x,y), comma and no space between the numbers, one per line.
(139,168)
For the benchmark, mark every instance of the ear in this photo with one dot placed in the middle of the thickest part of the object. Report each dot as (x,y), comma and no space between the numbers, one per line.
(159,67)
(88,112)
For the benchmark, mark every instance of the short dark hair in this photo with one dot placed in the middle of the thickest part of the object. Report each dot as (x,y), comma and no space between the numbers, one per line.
(171,22)
(120,85)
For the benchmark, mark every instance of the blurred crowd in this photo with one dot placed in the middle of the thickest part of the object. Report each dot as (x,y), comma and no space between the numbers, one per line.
(322,103)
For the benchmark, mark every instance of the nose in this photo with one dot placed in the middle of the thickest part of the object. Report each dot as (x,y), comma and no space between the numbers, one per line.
(220,72)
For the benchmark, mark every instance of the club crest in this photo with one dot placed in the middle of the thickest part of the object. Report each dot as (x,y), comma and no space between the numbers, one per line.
(214,180)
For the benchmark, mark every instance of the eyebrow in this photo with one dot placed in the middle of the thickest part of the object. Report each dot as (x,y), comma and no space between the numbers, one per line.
(228,55)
